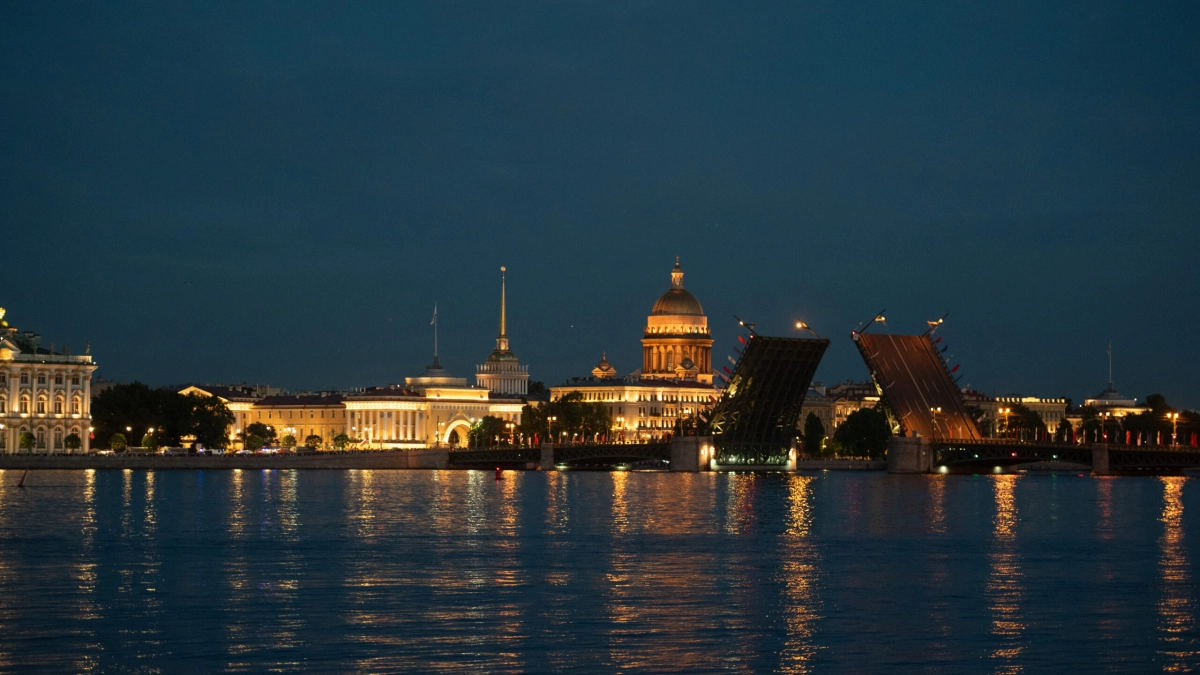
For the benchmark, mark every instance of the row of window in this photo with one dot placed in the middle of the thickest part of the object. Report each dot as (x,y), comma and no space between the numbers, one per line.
(311,414)
(41,379)
(40,405)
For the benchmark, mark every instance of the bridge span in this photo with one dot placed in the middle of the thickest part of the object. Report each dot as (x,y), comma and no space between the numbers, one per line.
(922,455)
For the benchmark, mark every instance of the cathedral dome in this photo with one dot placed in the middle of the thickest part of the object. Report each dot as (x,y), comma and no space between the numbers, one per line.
(677,300)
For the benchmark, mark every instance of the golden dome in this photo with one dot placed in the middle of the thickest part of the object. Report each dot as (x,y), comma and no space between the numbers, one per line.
(677,300)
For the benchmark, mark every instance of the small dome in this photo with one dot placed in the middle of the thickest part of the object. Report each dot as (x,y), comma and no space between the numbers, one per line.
(677,301)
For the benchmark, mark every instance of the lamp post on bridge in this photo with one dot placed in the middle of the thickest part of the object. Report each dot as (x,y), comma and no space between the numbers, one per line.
(1174,417)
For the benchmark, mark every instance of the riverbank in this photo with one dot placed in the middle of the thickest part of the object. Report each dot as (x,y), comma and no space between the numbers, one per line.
(378,459)
(841,465)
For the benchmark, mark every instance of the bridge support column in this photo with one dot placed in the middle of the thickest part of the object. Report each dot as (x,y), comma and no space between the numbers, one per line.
(547,457)
(691,453)
(909,455)
(1100,459)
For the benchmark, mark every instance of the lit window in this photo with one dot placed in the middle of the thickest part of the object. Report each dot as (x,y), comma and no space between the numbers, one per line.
(58,406)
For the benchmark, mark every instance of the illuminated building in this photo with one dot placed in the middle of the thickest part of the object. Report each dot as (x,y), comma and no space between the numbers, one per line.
(434,408)
(677,344)
(45,392)
(502,373)
(675,382)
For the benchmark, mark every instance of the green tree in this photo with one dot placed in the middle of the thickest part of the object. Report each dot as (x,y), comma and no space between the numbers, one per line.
(150,442)
(574,417)
(117,442)
(814,436)
(289,441)
(263,431)
(488,431)
(865,433)
(26,441)
(341,441)
(209,420)
(1024,423)
(313,441)
(537,391)
(1063,433)
(253,442)
(73,442)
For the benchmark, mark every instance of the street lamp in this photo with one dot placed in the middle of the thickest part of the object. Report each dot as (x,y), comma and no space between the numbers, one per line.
(1174,417)
(800,325)
(1005,412)
(621,426)
(935,412)
(550,420)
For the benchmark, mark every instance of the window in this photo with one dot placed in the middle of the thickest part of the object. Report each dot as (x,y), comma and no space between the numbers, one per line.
(41,378)
(24,378)
(3,379)
(3,406)
(311,414)
(41,406)
(58,406)
(75,380)
(58,378)
(24,405)
(75,406)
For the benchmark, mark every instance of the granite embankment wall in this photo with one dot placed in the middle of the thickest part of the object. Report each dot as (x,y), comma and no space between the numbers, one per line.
(403,459)
(841,465)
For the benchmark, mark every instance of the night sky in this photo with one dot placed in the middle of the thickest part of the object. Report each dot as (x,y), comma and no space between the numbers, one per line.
(227,192)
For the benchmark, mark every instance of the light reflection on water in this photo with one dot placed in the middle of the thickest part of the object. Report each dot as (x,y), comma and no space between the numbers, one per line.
(381,571)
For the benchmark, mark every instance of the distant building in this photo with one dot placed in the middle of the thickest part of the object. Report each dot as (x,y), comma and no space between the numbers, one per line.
(46,392)
(675,381)
(832,405)
(502,373)
(1052,410)
(677,344)
(431,409)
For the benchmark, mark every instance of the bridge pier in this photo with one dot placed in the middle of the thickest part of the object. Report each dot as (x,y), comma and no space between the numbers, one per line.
(691,453)
(1100,459)
(907,454)
(547,463)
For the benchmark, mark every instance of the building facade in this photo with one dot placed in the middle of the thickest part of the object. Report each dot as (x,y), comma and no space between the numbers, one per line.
(434,409)
(502,373)
(44,392)
(675,382)
(676,344)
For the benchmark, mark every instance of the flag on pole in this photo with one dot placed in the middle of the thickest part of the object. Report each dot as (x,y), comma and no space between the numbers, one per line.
(741,339)
(954,369)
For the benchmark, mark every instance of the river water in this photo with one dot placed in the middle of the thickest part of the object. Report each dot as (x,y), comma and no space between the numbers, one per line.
(415,571)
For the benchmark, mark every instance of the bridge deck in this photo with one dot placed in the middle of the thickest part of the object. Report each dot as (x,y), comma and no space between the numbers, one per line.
(909,371)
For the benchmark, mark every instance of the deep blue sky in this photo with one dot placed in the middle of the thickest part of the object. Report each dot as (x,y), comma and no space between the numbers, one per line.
(279,194)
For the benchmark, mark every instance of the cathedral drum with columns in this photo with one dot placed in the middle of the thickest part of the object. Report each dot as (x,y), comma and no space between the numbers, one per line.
(677,344)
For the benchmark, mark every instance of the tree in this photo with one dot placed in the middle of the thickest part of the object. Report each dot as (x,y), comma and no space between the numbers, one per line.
(538,391)
(73,442)
(574,418)
(171,414)
(341,441)
(209,421)
(313,441)
(1063,433)
(117,442)
(488,431)
(1090,425)
(1024,422)
(289,441)
(150,442)
(263,431)
(26,441)
(253,442)
(814,436)
(865,433)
